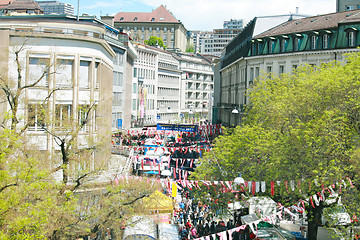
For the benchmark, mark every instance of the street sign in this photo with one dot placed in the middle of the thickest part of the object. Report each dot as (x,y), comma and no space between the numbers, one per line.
(158,117)
(119,123)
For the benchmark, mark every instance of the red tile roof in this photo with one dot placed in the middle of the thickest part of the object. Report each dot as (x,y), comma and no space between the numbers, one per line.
(23,5)
(161,14)
(4,3)
(321,22)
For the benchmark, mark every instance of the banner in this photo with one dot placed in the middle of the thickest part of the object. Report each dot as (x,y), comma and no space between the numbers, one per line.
(174,190)
(177,127)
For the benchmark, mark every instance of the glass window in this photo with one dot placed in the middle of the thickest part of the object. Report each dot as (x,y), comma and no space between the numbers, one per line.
(64,74)
(117,100)
(296,44)
(351,39)
(268,69)
(84,74)
(281,69)
(313,42)
(283,45)
(63,114)
(36,117)
(271,46)
(38,72)
(325,41)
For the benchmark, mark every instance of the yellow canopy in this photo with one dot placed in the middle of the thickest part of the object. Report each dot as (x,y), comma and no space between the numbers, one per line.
(158,202)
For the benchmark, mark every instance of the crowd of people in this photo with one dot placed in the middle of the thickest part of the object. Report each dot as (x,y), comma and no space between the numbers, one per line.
(196,219)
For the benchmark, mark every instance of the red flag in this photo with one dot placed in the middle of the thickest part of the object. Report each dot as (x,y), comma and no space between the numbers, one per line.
(253,185)
(312,203)
(272,188)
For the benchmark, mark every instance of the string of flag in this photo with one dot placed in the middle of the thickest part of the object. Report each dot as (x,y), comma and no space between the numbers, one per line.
(203,129)
(260,186)
(299,208)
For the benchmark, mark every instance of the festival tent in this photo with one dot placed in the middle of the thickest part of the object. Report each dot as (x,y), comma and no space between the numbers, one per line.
(158,203)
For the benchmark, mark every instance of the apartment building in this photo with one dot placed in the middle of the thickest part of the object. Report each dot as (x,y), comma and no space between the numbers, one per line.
(196,85)
(145,80)
(168,88)
(214,42)
(279,49)
(56,7)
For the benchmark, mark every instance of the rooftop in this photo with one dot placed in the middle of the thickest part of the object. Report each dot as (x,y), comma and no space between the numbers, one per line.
(23,5)
(161,14)
(321,22)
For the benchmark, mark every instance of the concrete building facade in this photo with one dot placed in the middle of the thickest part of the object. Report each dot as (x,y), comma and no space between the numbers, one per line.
(196,86)
(168,88)
(281,49)
(346,5)
(145,80)
(78,85)
(56,7)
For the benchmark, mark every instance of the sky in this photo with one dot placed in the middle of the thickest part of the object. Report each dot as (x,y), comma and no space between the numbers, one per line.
(207,14)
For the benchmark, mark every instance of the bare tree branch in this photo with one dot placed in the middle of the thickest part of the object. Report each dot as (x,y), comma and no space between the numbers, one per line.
(7,186)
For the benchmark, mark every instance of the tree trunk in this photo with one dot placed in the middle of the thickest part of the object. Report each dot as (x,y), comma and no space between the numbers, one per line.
(65,162)
(314,221)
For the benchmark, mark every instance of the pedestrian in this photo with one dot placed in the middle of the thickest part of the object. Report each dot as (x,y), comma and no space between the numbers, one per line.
(184,233)
(193,232)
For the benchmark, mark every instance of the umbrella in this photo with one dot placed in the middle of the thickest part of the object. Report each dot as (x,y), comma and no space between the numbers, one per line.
(151,172)
(166,173)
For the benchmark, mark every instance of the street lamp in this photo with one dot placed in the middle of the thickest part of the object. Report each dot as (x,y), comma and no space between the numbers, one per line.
(239,180)
(235,111)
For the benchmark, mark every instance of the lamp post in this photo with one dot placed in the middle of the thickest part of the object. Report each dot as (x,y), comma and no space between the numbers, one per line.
(238,181)
(234,112)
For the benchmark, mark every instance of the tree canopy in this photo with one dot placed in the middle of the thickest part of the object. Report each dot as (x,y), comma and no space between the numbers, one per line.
(302,126)
(155,41)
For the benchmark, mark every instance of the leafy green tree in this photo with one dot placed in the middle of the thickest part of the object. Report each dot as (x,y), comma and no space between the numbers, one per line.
(302,126)
(31,205)
(155,41)
(189,47)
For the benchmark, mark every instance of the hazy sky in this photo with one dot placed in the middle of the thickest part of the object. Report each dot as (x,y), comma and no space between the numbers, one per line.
(208,14)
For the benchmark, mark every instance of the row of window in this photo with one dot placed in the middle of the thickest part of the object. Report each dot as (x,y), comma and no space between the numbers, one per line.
(151,29)
(170,92)
(118,79)
(63,118)
(294,43)
(118,99)
(39,69)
